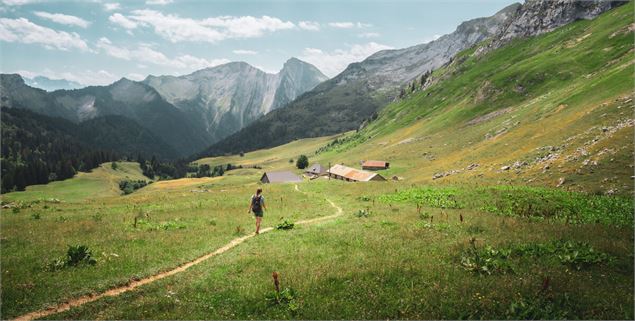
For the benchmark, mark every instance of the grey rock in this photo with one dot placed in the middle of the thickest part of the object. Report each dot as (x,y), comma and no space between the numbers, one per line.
(536,17)
(226,98)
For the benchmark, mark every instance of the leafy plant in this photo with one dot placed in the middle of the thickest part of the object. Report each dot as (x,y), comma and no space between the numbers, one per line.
(285,225)
(286,298)
(540,307)
(362,213)
(485,260)
(36,216)
(76,255)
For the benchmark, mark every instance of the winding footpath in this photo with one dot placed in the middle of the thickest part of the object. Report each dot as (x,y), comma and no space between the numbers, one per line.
(135,284)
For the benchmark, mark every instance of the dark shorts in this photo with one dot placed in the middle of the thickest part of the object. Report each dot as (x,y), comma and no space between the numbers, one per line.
(258,213)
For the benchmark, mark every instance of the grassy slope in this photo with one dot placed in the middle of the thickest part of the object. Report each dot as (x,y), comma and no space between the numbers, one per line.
(391,264)
(275,158)
(575,81)
(101,182)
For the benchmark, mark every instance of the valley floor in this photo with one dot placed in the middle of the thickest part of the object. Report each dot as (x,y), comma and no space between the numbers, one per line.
(398,250)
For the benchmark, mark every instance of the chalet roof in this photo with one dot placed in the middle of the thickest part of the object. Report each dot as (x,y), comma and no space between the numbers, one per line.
(352,173)
(316,169)
(281,177)
(374,163)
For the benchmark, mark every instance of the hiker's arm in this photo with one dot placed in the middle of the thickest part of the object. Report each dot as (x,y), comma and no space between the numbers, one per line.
(250,205)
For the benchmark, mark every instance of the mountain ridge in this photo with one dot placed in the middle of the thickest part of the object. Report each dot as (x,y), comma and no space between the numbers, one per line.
(225,98)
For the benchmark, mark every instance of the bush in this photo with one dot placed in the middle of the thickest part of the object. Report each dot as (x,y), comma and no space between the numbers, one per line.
(114,166)
(130,186)
(303,162)
(285,225)
(362,213)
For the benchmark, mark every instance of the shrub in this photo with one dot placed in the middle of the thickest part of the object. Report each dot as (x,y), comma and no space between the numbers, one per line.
(285,225)
(36,216)
(362,213)
(303,162)
(129,186)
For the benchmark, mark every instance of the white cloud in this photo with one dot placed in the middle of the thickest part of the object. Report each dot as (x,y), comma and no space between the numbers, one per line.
(17,2)
(63,19)
(135,76)
(349,25)
(158,2)
(111,6)
(178,29)
(244,52)
(122,21)
(309,25)
(332,63)
(267,70)
(85,77)
(342,25)
(368,35)
(145,53)
(24,31)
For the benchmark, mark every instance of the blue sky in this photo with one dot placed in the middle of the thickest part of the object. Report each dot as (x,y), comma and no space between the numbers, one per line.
(97,42)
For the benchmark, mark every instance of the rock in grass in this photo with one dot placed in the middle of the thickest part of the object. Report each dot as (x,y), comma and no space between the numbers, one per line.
(560,181)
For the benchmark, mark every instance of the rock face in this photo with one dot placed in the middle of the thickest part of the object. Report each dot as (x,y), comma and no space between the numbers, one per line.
(388,69)
(226,98)
(535,17)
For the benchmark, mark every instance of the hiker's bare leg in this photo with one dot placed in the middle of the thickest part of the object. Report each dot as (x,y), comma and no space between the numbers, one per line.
(258,219)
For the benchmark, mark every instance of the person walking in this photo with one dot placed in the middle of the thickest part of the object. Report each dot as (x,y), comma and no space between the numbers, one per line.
(257,205)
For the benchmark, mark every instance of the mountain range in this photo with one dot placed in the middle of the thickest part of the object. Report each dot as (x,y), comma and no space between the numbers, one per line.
(353,97)
(185,113)
(235,107)
(226,98)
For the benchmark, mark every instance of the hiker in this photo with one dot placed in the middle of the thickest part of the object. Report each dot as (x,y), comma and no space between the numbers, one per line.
(257,205)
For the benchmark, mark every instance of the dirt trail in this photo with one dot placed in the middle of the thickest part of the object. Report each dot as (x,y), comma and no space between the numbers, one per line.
(135,284)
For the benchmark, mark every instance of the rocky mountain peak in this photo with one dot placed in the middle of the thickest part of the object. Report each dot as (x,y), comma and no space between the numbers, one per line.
(536,17)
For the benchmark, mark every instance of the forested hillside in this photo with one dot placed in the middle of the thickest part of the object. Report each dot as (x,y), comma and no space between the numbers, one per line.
(38,149)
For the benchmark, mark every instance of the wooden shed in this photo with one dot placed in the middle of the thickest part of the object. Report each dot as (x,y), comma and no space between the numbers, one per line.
(374,165)
(350,174)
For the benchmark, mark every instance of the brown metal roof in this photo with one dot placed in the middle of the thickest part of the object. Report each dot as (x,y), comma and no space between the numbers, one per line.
(374,163)
(352,173)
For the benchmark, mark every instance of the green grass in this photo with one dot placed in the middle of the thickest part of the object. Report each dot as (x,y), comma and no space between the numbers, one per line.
(389,265)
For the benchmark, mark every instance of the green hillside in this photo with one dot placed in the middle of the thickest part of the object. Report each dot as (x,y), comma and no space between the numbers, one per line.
(555,106)
(457,235)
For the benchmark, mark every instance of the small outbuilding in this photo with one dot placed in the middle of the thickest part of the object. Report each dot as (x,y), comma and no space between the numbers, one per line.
(280,177)
(350,174)
(373,165)
(315,170)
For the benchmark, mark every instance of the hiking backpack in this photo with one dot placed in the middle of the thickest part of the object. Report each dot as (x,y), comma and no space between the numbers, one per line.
(255,203)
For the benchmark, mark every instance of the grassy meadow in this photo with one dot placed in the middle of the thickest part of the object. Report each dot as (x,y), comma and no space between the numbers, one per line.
(458,235)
